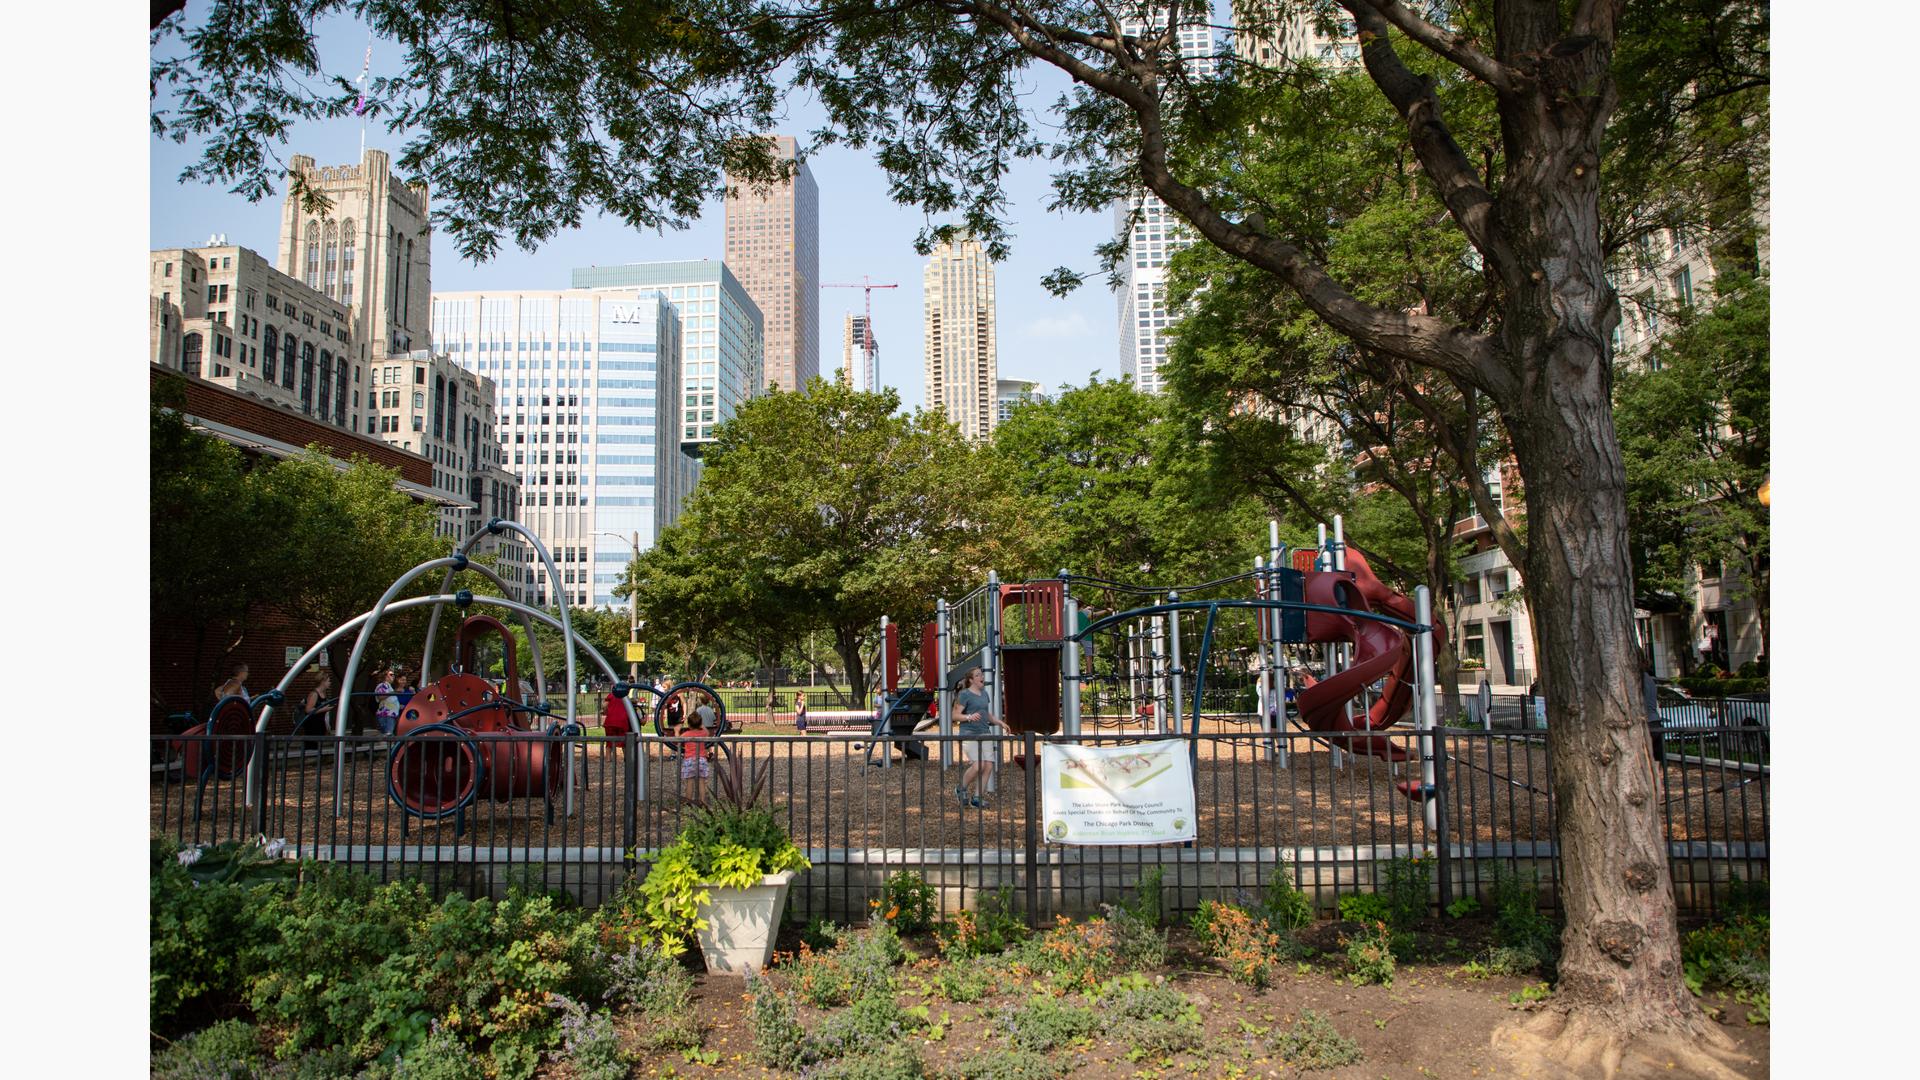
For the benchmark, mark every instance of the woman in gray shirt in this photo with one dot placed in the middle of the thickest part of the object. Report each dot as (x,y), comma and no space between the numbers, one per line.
(974,711)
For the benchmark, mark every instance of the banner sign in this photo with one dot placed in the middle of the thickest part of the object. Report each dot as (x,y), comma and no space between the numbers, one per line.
(1117,794)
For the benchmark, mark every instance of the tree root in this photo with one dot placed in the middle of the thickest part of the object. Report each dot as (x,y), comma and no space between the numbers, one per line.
(1555,1044)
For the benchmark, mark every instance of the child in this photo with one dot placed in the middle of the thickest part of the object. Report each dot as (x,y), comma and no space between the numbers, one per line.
(693,760)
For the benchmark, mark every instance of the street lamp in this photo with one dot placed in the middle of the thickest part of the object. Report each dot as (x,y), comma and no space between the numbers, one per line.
(633,603)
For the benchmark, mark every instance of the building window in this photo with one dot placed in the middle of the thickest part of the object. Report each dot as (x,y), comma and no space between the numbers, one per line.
(417,425)
(267,365)
(306,378)
(326,384)
(346,262)
(313,254)
(287,344)
(190,354)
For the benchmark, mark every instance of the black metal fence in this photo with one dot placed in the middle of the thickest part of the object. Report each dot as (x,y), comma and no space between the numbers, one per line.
(1266,803)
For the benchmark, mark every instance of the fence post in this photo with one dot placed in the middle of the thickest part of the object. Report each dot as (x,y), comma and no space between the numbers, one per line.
(1033,830)
(630,838)
(1443,855)
(260,797)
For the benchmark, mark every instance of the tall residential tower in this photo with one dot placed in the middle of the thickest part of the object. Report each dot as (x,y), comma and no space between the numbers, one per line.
(963,367)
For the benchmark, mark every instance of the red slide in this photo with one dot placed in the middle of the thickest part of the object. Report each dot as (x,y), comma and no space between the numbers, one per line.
(1379,651)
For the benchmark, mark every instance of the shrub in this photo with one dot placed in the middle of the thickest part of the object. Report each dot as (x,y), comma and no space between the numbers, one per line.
(1144,905)
(1371,956)
(898,1061)
(908,903)
(1517,921)
(779,1041)
(1158,1018)
(1407,886)
(868,1025)
(371,968)
(1073,956)
(201,936)
(859,964)
(1285,907)
(647,980)
(1745,898)
(441,1056)
(1249,947)
(228,1050)
(991,929)
(1044,1023)
(1312,1043)
(1365,908)
(589,1043)
(1138,944)
(1463,907)
(1008,1065)
(963,981)
(1727,956)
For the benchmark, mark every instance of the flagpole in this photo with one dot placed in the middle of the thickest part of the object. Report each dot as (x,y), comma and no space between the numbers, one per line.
(360,106)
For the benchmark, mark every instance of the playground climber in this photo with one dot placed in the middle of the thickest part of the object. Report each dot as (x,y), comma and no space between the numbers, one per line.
(974,710)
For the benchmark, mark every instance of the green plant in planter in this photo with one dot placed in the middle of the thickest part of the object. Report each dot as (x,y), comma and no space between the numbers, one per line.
(731,844)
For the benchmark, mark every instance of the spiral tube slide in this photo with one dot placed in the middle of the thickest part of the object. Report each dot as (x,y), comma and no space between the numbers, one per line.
(1380,651)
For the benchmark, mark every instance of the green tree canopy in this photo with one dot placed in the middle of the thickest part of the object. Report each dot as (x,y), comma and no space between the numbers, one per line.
(1693,414)
(1129,500)
(823,509)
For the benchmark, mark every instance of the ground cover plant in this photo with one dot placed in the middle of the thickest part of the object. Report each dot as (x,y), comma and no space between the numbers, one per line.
(533,986)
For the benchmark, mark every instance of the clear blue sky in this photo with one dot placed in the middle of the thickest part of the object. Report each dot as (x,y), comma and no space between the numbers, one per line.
(862,232)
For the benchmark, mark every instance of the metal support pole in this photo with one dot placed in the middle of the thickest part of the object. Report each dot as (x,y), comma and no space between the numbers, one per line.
(943,695)
(1339,552)
(882,723)
(1428,710)
(1173,641)
(636,776)
(1277,721)
(1162,670)
(991,656)
(1070,668)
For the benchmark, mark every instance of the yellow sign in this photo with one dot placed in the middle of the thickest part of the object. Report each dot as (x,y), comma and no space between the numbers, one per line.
(636,652)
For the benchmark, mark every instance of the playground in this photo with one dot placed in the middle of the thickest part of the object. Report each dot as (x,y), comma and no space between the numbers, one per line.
(1303,692)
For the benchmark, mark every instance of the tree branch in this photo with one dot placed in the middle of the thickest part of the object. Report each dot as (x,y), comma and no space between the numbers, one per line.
(1421,338)
(1445,43)
(1457,182)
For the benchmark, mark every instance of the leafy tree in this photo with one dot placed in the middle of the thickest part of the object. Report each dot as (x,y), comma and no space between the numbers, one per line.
(206,563)
(1129,503)
(1693,415)
(823,509)
(524,116)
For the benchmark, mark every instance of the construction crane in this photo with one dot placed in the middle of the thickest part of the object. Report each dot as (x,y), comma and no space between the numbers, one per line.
(867,345)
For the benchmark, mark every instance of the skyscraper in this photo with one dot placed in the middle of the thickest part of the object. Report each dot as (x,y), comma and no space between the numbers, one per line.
(588,390)
(723,334)
(859,366)
(963,366)
(773,245)
(1154,233)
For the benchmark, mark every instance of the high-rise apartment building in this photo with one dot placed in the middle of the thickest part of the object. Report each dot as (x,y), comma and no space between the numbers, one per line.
(962,347)
(859,355)
(773,245)
(588,398)
(723,335)
(1154,233)
(224,314)
(1278,36)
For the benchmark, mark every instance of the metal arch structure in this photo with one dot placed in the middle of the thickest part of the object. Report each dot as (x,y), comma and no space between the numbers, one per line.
(254,777)
(494,528)
(488,572)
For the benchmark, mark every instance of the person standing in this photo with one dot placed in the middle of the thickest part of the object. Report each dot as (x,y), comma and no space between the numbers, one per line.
(693,755)
(800,711)
(386,714)
(235,686)
(974,710)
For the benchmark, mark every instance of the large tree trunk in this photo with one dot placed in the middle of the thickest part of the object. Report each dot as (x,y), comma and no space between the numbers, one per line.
(1620,1001)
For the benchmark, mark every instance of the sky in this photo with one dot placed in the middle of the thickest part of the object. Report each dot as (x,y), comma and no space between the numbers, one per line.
(863,234)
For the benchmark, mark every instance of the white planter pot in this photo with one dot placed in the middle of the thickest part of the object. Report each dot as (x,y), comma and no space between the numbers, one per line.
(742,924)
